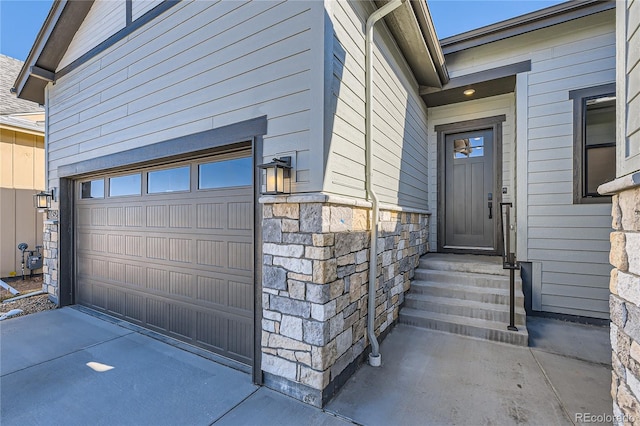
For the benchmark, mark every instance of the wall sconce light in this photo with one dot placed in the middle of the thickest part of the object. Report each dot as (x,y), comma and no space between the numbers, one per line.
(277,176)
(42,200)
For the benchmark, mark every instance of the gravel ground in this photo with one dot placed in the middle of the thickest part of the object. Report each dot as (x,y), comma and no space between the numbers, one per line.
(28,285)
(29,305)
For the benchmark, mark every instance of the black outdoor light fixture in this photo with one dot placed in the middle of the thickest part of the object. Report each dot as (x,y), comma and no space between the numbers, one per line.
(42,200)
(277,176)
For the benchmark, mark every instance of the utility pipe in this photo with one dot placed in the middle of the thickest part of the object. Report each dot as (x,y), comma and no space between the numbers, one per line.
(375,359)
(46,138)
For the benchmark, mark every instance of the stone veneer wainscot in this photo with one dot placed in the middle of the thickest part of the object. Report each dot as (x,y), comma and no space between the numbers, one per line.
(625,298)
(50,256)
(315,286)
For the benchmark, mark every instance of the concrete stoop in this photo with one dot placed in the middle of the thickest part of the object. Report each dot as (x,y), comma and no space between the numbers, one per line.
(467,295)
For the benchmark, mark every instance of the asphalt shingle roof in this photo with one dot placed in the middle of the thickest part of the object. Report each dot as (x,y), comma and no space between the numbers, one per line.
(9,103)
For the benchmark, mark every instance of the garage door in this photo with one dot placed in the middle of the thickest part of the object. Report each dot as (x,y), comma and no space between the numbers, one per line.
(171,248)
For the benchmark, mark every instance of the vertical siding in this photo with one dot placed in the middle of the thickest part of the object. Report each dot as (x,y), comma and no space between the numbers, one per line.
(571,241)
(21,176)
(21,160)
(198,66)
(633,79)
(472,110)
(629,86)
(140,7)
(19,223)
(399,118)
(105,18)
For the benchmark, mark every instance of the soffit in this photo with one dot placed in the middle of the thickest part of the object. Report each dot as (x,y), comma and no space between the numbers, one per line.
(64,19)
(412,28)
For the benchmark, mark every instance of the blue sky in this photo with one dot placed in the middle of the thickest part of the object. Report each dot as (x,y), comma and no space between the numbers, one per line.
(20,20)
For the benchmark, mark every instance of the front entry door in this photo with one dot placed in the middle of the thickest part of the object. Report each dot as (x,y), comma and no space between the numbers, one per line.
(470,202)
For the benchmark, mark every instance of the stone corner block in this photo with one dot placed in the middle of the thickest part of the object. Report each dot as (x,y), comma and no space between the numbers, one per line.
(324,271)
(618,254)
(341,219)
(314,217)
(316,333)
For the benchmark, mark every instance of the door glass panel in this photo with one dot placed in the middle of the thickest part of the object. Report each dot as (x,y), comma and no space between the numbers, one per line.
(93,189)
(226,173)
(125,185)
(170,180)
(469,147)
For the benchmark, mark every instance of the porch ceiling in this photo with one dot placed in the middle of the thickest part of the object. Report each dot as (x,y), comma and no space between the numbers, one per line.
(491,82)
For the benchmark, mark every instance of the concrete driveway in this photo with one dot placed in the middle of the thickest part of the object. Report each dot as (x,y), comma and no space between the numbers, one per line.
(65,367)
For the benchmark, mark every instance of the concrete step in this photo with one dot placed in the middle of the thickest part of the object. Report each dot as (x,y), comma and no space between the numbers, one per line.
(464,308)
(496,296)
(467,278)
(491,265)
(480,328)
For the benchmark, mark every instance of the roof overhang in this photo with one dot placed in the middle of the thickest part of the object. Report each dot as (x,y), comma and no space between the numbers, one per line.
(491,82)
(19,124)
(533,21)
(64,19)
(413,30)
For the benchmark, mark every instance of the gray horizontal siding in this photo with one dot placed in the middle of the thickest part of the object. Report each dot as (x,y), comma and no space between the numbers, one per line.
(104,19)
(140,7)
(400,158)
(588,61)
(198,66)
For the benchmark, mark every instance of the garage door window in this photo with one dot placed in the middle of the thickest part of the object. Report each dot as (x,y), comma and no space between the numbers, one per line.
(93,189)
(125,185)
(226,173)
(169,180)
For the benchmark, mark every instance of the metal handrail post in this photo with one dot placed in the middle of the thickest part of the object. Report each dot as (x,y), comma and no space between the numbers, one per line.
(509,262)
(512,300)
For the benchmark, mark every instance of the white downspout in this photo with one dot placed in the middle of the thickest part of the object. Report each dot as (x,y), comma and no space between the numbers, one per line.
(46,137)
(375,359)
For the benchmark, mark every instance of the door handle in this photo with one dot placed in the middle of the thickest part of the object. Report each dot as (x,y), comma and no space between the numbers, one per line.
(490,204)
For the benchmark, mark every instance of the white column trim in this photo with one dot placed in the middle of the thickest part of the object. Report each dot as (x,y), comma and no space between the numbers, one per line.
(522,166)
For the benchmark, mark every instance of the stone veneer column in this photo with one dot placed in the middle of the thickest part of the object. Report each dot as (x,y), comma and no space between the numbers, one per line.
(50,258)
(625,306)
(315,286)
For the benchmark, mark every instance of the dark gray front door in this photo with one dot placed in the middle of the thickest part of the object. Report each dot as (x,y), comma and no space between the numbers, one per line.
(469,190)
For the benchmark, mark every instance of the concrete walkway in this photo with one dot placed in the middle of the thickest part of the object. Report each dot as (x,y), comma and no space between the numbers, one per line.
(433,378)
(68,367)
